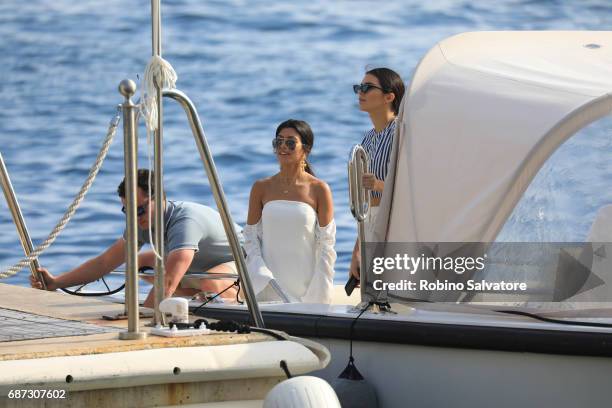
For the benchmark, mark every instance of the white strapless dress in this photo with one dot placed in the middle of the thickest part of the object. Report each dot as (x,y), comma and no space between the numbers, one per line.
(288,246)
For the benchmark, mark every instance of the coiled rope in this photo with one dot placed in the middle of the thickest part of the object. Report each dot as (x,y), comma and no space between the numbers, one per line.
(159,74)
(93,172)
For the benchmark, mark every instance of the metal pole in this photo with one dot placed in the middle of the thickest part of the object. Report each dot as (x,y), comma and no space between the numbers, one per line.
(363,263)
(217,190)
(127,88)
(156,27)
(22,229)
(159,287)
(360,206)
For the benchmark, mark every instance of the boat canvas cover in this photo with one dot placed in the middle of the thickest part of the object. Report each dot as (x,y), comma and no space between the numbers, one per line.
(483,113)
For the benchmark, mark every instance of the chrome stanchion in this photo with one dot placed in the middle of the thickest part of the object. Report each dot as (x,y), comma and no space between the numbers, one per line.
(360,205)
(127,88)
(159,287)
(22,229)
(217,190)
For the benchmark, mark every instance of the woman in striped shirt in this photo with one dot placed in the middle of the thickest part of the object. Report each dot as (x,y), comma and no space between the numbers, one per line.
(380,94)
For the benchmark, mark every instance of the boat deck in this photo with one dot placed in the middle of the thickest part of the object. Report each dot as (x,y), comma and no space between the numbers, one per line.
(47,314)
(94,368)
(16,325)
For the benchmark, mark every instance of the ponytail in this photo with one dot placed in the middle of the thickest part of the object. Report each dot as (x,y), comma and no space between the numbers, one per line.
(308,168)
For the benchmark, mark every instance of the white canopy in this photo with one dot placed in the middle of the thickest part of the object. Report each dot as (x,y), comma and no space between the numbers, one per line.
(483,113)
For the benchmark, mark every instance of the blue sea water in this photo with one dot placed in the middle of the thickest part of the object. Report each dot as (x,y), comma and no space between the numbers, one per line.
(247,65)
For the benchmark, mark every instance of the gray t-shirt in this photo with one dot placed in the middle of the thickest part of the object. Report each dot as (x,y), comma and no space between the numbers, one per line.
(194,226)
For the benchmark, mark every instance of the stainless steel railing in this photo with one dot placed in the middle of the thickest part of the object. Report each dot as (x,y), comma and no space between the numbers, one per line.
(127,88)
(22,229)
(217,190)
(360,204)
(130,112)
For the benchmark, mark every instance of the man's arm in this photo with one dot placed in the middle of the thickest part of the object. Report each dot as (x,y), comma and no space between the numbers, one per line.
(87,272)
(177,263)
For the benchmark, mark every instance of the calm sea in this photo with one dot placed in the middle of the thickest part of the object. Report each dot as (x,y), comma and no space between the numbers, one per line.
(247,65)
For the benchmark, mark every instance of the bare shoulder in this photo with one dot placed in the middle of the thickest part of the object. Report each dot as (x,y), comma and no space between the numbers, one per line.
(325,203)
(320,186)
(321,189)
(256,199)
(261,185)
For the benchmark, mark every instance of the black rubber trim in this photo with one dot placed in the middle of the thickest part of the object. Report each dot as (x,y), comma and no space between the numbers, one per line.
(430,334)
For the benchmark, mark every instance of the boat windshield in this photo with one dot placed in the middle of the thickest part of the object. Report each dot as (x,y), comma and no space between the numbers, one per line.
(552,256)
(558,240)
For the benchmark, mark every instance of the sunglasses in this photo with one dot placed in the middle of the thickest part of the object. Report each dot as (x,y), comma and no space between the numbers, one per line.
(140,210)
(364,88)
(278,142)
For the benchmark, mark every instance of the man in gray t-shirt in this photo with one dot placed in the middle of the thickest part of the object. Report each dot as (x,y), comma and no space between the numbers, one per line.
(194,241)
(195,227)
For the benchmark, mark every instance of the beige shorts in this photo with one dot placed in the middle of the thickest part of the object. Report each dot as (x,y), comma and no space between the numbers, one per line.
(192,280)
(370,224)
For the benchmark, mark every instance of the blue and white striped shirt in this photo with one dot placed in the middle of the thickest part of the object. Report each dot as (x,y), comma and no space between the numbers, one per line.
(378,147)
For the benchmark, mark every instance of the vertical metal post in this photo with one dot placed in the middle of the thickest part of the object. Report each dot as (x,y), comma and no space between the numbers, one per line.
(360,206)
(22,229)
(127,88)
(159,289)
(363,261)
(156,27)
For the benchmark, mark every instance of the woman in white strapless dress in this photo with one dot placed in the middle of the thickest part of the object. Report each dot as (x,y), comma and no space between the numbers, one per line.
(290,232)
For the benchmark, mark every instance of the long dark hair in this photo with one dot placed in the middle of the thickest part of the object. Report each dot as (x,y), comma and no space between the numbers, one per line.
(390,81)
(306,136)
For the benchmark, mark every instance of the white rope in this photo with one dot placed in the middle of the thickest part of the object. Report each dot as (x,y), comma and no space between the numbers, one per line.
(149,193)
(158,74)
(93,172)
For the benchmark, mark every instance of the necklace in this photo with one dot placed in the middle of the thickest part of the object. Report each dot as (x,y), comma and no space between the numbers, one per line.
(287,183)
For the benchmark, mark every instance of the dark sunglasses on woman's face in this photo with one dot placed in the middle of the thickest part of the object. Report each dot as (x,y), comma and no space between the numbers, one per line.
(364,88)
(278,142)
(140,210)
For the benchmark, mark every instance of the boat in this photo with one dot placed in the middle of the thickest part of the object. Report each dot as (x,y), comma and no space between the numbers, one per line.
(483,113)
(517,96)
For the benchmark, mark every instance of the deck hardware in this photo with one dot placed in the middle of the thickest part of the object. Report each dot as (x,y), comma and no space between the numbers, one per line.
(360,205)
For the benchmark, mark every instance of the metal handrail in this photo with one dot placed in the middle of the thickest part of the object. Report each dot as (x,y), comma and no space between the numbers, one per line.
(127,88)
(158,169)
(360,204)
(217,190)
(22,229)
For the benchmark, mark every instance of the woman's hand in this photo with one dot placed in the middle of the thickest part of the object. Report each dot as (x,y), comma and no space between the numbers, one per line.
(46,275)
(370,182)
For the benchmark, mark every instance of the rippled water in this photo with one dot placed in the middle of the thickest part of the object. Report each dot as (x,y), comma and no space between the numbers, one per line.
(247,65)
